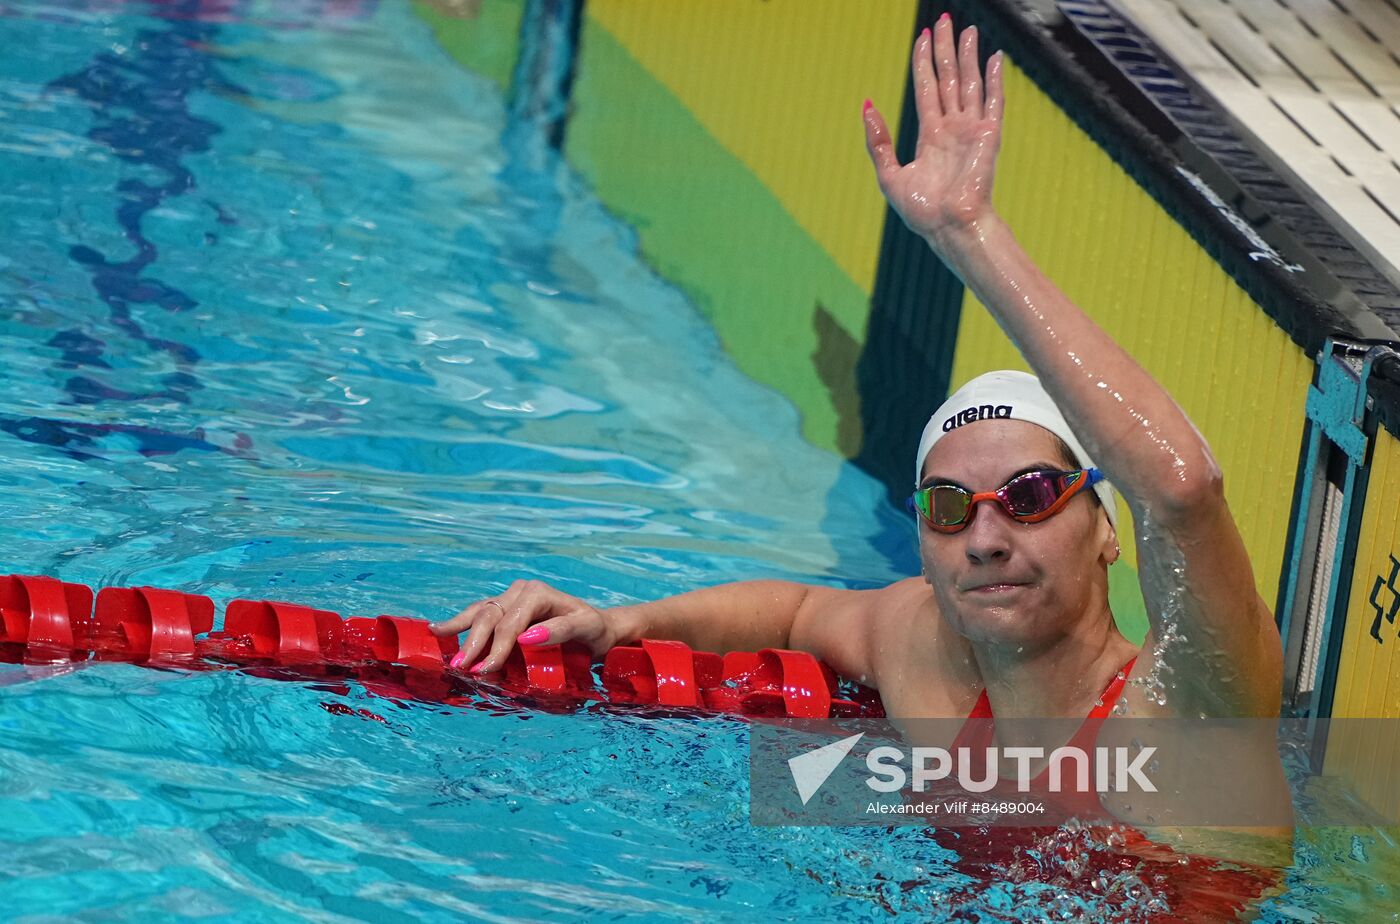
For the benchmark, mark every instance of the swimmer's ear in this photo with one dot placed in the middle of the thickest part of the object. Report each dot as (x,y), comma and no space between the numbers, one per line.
(1112,550)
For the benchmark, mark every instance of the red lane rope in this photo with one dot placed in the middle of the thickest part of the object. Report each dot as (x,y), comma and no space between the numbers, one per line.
(43,619)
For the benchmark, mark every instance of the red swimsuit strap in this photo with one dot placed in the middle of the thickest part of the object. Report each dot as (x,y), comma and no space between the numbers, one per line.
(1104,705)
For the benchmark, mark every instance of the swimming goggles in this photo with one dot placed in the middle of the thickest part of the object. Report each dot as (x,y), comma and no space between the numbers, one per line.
(1028,498)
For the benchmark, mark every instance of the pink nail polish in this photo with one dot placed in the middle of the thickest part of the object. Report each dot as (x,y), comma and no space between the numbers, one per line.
(925,33)
(866,107)
(945,17)
(533,636)
(457,660)
(476,668)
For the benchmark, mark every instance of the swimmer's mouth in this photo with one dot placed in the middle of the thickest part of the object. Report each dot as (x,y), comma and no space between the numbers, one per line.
(999,588)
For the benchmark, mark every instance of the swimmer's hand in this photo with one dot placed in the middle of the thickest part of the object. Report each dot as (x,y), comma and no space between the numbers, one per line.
(948,185)
(530,613)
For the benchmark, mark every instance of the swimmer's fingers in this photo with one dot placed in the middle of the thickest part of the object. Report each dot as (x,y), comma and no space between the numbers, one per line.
(925,82)
(996,96)
(464,620)
(946,60)
(479,621)
(534,602)
(483,620)
(881,147)
(578,627)
(969,74)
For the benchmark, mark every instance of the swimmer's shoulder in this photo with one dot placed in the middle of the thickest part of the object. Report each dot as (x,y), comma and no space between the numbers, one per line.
(846,627)
(883,637)
(908,651)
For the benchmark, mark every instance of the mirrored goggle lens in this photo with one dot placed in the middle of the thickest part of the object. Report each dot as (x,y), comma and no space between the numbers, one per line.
(1036,492)
(948,505)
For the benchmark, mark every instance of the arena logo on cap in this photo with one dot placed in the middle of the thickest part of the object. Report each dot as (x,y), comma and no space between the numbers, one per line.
(981,412)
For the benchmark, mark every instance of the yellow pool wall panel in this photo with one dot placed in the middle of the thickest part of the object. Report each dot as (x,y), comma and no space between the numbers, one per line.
(1142,278)
(729,134)
(1368,671)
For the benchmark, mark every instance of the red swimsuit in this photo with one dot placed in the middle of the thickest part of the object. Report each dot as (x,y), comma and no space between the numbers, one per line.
(1193,888)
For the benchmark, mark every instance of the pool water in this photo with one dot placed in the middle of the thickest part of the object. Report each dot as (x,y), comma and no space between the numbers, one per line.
(288,310)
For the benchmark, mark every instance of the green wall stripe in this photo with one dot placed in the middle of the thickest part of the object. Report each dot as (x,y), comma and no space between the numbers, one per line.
(783,309)
(486,43)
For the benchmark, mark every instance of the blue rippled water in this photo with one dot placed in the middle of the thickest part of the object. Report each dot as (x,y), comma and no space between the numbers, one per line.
(281,315)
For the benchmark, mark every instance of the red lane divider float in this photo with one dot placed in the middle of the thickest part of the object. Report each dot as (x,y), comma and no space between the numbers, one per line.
(35,611)
(44,619)
(283,631)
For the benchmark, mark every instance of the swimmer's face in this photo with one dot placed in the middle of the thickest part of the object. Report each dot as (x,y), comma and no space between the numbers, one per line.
(1001,580)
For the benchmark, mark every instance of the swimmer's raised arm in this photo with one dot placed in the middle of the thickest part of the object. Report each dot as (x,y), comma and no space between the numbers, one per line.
(741,616)
(1140,438)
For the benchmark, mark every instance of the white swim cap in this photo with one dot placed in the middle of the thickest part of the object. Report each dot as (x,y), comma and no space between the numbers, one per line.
(1007,395)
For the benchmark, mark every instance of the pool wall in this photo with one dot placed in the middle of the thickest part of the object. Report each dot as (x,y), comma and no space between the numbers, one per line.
(728,134)
(1368,668)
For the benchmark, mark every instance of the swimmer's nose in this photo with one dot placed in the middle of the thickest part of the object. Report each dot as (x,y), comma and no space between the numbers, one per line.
(986,537)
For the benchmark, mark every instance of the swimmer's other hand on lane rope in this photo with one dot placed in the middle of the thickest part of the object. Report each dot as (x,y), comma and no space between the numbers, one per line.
(528,613)
(745,616)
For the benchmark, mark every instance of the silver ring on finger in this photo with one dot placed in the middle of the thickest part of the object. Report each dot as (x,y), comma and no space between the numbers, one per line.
(497,605)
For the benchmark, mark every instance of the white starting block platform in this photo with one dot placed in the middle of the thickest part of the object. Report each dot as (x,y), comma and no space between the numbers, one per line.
(1315,84)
